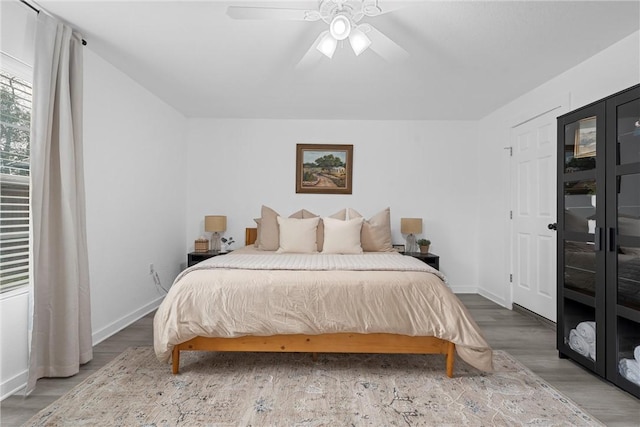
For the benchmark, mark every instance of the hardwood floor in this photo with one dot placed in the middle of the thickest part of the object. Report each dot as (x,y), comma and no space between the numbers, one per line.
(523,336)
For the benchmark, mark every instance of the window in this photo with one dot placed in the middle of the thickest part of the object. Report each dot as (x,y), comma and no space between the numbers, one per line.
(15,120)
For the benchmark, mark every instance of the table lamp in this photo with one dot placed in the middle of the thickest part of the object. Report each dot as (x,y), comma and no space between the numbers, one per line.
(215,224)
(411,227)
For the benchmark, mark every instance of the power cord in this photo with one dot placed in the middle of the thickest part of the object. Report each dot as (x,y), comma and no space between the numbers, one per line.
(157,282)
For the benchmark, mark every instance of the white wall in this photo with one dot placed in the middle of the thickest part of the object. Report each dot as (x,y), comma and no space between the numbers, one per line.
(135,163)
(419,169)
(614,69)
(17,33)
(14,306)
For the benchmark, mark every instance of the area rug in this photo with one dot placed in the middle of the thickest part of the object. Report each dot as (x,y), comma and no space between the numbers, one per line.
(280,389)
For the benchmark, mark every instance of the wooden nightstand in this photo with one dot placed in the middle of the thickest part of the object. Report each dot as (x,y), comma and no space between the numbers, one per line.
(431,259)
(196,257)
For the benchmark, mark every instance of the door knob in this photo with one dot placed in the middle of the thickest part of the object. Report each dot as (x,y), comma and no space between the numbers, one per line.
(553,226)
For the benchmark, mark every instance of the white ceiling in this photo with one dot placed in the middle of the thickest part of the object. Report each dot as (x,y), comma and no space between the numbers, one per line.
(467,58)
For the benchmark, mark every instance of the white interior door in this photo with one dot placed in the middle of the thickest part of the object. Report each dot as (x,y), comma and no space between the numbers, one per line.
(533,209)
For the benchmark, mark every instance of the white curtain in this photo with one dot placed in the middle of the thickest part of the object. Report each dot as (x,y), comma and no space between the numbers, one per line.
(61,322)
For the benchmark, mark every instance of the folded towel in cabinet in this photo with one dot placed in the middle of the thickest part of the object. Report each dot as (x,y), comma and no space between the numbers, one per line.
(578,344)
(587,330)
(636,353)
(630,369)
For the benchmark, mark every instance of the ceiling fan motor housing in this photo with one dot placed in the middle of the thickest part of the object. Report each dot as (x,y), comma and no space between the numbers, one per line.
(354,10)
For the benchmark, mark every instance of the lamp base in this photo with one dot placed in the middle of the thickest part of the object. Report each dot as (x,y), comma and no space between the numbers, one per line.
(215,241)
(411,245)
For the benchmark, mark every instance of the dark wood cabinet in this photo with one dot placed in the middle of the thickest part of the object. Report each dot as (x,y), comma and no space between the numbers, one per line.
(599,236)
(431,259)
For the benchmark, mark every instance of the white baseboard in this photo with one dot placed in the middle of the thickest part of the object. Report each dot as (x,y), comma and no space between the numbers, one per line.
(14,385)
(493,297)
(464,289)
(123,322)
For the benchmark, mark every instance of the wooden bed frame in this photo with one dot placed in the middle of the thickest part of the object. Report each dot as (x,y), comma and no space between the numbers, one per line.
(324,343)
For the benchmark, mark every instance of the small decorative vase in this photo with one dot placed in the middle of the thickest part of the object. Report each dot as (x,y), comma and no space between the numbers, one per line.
(424,249)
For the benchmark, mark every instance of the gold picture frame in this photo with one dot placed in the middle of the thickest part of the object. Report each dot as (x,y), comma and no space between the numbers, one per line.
(585,140)
(324,168)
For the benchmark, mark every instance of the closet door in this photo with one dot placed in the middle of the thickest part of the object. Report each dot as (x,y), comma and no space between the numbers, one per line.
(623,239)
(581,233)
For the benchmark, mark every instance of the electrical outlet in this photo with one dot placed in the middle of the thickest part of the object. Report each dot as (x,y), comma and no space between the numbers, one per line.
(151,269)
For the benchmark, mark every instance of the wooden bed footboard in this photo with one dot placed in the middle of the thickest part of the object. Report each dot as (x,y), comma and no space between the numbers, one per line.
(325,343)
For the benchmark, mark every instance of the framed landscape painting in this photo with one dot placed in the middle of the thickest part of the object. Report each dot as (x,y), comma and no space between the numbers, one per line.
(324,168)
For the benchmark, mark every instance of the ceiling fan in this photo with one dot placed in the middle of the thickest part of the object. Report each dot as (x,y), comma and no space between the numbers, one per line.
(343,18)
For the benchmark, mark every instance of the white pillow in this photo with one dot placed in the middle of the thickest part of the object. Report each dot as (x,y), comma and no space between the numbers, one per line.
(342,215)
(297,235)
(268,229)
(342,237)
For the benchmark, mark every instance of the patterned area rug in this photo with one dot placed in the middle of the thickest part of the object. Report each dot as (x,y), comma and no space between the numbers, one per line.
(277,389)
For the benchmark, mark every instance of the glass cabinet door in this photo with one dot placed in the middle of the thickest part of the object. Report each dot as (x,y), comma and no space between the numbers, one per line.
(623,239)
(581,221)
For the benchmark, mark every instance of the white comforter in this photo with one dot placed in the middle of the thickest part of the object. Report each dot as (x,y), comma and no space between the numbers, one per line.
(263,293)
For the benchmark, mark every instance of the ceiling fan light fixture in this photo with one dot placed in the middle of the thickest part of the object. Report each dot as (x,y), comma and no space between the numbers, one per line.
(327,45)
(340,27)
(359,41)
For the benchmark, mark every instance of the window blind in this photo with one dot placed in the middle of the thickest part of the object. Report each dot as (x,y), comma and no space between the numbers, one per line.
(15,120)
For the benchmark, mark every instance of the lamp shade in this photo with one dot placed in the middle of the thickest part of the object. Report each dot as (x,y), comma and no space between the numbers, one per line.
(215,223)
(359,41)
(411,225)
(327,44)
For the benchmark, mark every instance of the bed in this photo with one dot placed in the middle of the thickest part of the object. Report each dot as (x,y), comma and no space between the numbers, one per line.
(254,300)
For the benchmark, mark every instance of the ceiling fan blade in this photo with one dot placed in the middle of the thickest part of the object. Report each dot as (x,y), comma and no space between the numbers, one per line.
(383,45)
(241,12)
(312,56)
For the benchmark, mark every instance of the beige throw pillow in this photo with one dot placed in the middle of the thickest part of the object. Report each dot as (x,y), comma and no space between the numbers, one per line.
(376,231)
(298,235)
(342,237)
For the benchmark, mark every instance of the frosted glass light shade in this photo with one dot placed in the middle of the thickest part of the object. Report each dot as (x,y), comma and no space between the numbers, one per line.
(340,27)
(359,41)
(215,223)
(327,45)
(411,225)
